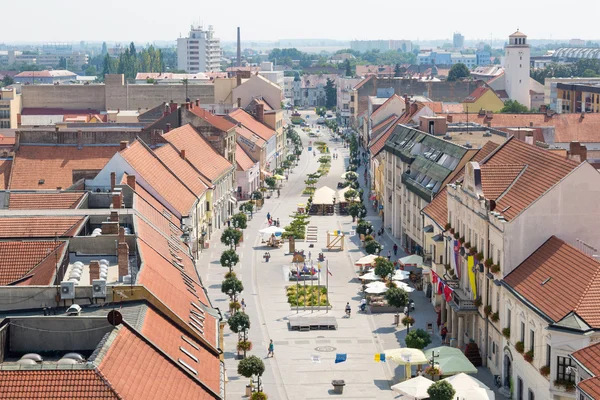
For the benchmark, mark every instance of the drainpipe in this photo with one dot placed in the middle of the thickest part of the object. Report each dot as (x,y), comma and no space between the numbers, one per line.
(487,291)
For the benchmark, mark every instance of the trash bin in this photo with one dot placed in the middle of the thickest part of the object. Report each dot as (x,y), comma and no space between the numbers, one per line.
(338,386)
(396,319)
(248,390)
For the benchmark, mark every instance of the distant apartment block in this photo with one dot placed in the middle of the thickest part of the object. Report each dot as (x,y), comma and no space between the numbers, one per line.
(200,51)
(74,60)
(381,45)
(51,77)
(10,107)
(458,41)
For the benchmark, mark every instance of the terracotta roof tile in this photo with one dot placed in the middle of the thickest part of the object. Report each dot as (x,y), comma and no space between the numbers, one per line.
(250,136)
(44,201)
(591,387)
(244,162)
(199,153)
(138,371)
(476,94)
(544,170)
(438,208)
(589,357)
(215,120)
(181,168)
(251,123)
(19,259)
(378,130)
(30,227)
(435,106)
(148,166)
(5,167)
(410,112)
(157,205)
(573,285)
(496,179)
(54,385)
(167,337)
(57,166)
(364,81)
(381,107)
(376,146)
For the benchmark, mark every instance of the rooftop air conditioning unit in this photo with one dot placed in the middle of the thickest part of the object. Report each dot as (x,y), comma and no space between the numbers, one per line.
(67,290)
(99,288)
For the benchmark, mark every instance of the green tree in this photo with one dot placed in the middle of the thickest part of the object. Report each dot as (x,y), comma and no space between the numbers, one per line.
(62,63)
(321,111)
(108,65)
(458,71)
(350,195)
(7,80)
(354,210)
(372,247)
(348,68)
(330,94)
(239,322)
(252,366)
(104,48)
(239,221)
(589,73)
(396,297)
(91,70)
(232,287)
(229,259)
(417,339)
(397,71)
(441,390)
(271,182)
(231,237)
(513,107)
(384,267)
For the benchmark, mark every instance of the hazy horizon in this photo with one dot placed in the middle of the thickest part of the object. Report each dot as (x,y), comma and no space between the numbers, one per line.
(37,22)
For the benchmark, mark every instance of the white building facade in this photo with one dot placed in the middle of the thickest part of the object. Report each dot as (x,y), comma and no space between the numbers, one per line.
(516,68)
(200,51)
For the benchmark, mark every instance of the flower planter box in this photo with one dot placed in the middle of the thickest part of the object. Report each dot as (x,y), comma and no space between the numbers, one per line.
(338,386)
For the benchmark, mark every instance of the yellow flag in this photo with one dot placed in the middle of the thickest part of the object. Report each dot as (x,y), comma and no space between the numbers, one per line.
(470,265)
(377,357)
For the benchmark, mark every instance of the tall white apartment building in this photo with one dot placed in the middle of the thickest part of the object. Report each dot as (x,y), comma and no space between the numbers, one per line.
(200,51)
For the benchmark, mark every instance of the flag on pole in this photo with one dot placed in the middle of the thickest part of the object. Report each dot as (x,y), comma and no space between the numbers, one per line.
(379,357)
(319,265)
(329,272)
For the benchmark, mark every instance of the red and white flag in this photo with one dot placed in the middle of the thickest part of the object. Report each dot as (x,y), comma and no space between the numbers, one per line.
(329,272)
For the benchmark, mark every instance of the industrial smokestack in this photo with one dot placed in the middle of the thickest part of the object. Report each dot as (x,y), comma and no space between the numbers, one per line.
(239,49)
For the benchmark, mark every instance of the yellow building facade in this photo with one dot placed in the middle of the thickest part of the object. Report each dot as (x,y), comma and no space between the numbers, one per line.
(483,99)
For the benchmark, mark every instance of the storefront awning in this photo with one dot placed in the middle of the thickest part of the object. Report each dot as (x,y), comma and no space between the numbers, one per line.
(266,173)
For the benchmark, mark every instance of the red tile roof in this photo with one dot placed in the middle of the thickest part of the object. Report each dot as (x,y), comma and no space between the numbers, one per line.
(438,208)
(476,94)
(382,127)
(199,153)
(137,370)
(150,200)
(148,166)
(381,107)
(7,141)
(57,166)
(250,136)
(249,122)
(5,167)
(572,281)
(215,120)
(543,170)
(364,81)
(167,336)
(496,179)
(591,387)
(376,146)
(19,259)
(171,157)
(243,160)
(44,201)
(38,226)
(589,357)
(54,385)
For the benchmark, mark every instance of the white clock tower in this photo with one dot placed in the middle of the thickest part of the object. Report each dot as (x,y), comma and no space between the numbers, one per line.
(516,68)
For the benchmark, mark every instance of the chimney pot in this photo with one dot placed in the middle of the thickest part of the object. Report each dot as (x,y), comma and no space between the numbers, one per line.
(114,216)
(182,153)
(121,235)
(123,259)
(239,102)
(238,78)
(260,112)
(131,181)
(117,201)
(197,102)
(124,144)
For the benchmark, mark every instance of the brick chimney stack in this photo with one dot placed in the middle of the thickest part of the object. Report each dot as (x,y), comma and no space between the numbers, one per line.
(260,112)
(113,180)
(121,235)
(182,153)
(197,102)
(117,200)
(114,216)
(123,259)
(94,270)
(238,78)
(131,181)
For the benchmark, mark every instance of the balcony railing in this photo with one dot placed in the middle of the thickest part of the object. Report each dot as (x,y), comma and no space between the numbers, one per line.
(461,301)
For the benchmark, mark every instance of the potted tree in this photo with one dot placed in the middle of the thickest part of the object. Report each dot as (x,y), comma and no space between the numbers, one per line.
(441,390)
(397,298)
(229,259)
(250,367)
(232,286)
(239,323)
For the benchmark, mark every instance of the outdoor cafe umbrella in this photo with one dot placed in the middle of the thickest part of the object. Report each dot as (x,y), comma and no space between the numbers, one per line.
(370,276)
(400,275)
(475,394)
(469,388)
(376,288)
(415,387)
(412,260)
(279,177)
(452,361)
(272,230)
(367,260)
(404,286)
(407,357)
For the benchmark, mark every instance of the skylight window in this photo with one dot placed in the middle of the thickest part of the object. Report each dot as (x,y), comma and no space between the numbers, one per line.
(188,341)
(187,353)
(188,367)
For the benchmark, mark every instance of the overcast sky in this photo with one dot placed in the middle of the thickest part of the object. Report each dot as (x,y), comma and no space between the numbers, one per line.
(149,20)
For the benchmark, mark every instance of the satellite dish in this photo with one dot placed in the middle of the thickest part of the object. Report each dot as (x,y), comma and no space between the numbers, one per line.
(114,318)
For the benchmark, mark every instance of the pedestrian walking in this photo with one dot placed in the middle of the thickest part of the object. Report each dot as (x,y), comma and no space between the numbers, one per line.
(444,333)
(277,223)
(389,255)
(309,255)
(243,305)
(278,193)
(271,352)
(395,250)
(229,223)
(268,216)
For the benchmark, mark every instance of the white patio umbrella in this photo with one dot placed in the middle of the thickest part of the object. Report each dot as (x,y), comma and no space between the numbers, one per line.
(367,260)
(406,356)
(412,260)
(370,276)
(272,230)
(463,381)
(475,394)
(404,286)
(376,288)
(415,387)
(400,275)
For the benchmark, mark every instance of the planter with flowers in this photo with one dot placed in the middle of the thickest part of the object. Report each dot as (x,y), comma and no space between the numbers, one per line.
(545,370)
(489,262)
(528,356)
(506,333)
(406,321)
(495,317)
(520,347)
(487,310)
(495,269)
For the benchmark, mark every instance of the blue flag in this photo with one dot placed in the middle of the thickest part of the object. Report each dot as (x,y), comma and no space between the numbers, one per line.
(340,358)
(382,357)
